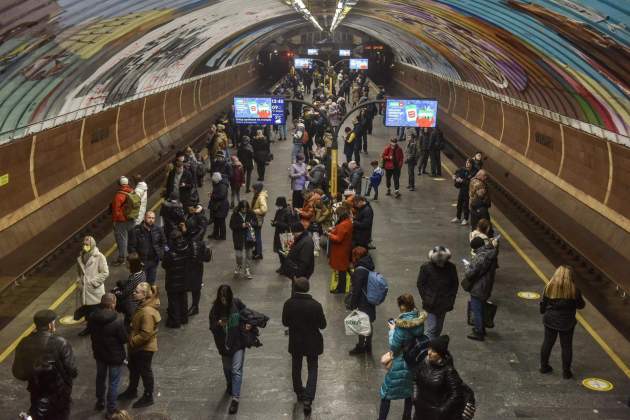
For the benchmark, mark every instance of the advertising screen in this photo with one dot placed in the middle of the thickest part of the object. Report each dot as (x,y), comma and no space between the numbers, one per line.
(312,51)
(358,64)
(303,63)
(264,110)
(344,53)
(411,113)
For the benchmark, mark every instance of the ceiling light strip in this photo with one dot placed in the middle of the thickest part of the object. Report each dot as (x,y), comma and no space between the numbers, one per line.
(343,8)
(301,8)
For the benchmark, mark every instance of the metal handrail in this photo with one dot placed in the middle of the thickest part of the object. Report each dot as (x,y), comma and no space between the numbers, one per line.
(77,114)
(589,128)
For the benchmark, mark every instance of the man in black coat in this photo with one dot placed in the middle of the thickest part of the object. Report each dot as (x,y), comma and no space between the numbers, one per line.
(148,241)
(181,180)
(300,261)
(425,143)
(436,144)
(109,337)
(305,317)
(362,223)
(176,263)
(43,348)
(196,223)
(437,284)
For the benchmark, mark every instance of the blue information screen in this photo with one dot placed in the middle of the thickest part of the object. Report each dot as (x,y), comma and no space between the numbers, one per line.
(344,53)
(358,64)
(411,113)
(265,110)
(303,63)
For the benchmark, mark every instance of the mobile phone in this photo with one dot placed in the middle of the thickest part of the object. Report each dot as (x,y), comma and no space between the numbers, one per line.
(465,261)
(498,236)
(391,321)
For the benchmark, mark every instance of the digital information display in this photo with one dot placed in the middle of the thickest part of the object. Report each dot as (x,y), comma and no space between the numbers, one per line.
(312,51)
(303,63)
(264,110)
(411,113)
(358,64)
(344,53)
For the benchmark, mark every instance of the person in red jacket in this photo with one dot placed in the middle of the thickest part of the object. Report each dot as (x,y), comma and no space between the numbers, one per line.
(393,161)
(340,238)
(122,226)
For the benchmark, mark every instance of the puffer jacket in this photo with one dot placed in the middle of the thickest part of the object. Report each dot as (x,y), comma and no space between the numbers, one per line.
(92,274)
(440,391)
(141,190)
(298,175)
(358,290)
(175,263)
(108,336)
(260,208)
(398,383)
(355,180)
(144,326)
(438,287)
(118,203)
(480,273)
(559,314)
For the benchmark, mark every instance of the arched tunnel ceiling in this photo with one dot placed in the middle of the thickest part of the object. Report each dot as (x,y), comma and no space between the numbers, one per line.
(569,56)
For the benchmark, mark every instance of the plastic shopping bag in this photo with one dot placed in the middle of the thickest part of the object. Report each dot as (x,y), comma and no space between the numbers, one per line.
(357,323)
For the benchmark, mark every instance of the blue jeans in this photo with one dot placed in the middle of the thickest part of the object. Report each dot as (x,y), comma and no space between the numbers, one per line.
(111,372)
(296,150)
(233,371)
(121,234)
(434,324)
(476,306)
(150,269)
(283,131)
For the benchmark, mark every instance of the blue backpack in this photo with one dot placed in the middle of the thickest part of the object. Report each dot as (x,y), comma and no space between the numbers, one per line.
(376,287)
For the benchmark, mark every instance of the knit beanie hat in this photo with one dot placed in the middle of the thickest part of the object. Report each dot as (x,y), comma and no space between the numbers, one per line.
(123,180)
(476,243)
(440,344)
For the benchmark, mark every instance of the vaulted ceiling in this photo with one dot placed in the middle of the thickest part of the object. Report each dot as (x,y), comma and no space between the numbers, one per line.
(570,56)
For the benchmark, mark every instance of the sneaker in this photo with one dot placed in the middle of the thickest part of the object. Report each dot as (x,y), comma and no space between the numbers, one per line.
(145,401)
(128,395)
(464,222)
(396,193)
(455,220)
(233,407)
(412,189)
(545,369)
(238,271)
(248,274)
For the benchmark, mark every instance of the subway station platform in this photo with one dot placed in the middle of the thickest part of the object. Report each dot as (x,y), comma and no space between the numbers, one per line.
(503,370)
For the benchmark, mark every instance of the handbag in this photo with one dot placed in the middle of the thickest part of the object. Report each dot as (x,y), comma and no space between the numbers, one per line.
(387,360)
(250,236)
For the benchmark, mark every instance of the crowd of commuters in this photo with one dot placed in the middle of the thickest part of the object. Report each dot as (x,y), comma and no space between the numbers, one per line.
(123,324)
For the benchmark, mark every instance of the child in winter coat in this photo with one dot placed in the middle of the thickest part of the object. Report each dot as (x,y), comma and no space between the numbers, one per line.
(375,179)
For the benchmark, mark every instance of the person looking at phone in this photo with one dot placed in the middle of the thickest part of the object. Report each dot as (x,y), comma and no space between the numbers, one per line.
(242,224)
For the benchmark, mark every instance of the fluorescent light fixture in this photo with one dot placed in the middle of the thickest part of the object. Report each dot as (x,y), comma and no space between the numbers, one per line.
(301,8)
(343,8)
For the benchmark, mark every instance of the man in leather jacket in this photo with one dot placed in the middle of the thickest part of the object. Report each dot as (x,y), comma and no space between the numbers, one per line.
(148,241)
(43,351)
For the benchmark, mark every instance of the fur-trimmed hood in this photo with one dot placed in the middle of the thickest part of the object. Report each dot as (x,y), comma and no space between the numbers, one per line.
(439,255)
(411,319)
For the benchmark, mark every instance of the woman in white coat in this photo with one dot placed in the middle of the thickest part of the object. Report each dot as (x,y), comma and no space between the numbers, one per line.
(92,272)
(142,191)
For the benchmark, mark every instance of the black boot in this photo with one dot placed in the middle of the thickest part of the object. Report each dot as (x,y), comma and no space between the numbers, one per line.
(308,408)
(358,349)
(233,407)
(144,401)
(194,310)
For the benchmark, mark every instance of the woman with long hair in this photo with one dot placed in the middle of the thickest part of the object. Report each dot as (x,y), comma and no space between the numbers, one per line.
(226,326)
(242,223)
(560,301)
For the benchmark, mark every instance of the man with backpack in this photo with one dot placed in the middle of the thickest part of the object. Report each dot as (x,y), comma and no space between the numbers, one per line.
(368,289)
(125,210)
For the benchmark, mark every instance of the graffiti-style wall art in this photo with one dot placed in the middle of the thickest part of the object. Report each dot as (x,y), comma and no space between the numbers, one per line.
(60,56)
(569,56)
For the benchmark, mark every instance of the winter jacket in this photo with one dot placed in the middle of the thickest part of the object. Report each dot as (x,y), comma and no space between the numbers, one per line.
(298,175)
(362,226)
(376,177)
(440,391)
(259,206)
(393,157)
(425,142)
(238,231)
(237,179)
(261,149)
(438,287)
(172,214)
(125,302)
(109,336)
(219,203)
(436,140)
(317,177)
(464,175)
(300,261)
(194,269)
(398,382)
(147,241)
(223,167)
(479,209)
(229,338)
(118,203)
(187,188)
(196,226)
(356,177)
(141,190)
(340,238)
(559,314)
(175,264)
(480,272)
(144,326)
(358,290)
(282,221)
(42,345)
(245,154)
(91,276)
(412,152)
(305,318)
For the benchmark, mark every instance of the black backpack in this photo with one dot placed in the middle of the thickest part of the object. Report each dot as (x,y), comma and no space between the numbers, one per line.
(415,350)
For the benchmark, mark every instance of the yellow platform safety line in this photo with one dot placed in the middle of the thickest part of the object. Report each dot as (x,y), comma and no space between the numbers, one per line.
(61,299)
(598,338)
